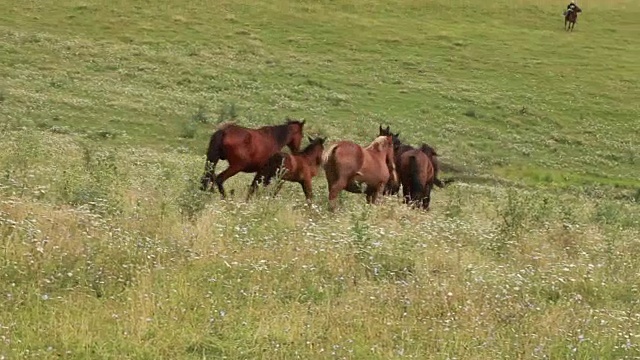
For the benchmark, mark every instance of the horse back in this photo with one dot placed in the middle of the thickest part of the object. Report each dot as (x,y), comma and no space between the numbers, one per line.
(399,151)
(252,146)
(343,157)
(275,163)
(423,166)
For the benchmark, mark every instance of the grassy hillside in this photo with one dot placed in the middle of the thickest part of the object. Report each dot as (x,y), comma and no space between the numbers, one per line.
(495,87)
(109,250)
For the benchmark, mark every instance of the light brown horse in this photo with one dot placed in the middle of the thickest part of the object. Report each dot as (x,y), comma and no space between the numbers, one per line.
(347,165)
(570,17)
(247,150)
(417,172)
(299,167)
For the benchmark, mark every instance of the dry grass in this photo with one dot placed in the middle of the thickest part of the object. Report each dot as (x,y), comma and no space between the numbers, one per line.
(273,279)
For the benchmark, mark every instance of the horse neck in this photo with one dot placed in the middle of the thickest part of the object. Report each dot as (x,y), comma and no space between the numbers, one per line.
(376,153)
(401,149)
(281,134)
(433,158)
(313,156)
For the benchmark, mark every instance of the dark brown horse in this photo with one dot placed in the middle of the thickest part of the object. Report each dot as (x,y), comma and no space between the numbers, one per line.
(247,150)
(299,167)
(347,165)
(399,149)
(417,172)
(570,17)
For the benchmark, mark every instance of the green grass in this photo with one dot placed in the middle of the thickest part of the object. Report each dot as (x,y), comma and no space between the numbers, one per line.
(491,92)
(109,250)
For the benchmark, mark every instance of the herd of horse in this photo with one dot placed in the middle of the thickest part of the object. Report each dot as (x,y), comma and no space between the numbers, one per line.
(380,168)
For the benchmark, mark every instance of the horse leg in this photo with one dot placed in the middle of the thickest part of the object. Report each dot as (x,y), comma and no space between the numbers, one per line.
(334,189)
(306,188)
(353,187)
(373,192)
(411,197)
(209,175)
(389,189)
(378,192)
(369,191)
(406,195)
(254,184)
(426,200)
(227,173)
(279,185)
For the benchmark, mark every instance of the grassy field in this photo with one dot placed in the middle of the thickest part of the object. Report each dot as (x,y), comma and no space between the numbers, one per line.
(109,250)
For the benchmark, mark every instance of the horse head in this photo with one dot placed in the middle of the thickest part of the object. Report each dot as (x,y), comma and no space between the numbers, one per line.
(428,150)
(295,134)
(315,148)
(387,132)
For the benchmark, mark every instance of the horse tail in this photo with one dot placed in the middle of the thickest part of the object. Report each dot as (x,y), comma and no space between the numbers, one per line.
(433,157)
(414,172)
(436,168)
(328,154)
(214,154)
(329,164)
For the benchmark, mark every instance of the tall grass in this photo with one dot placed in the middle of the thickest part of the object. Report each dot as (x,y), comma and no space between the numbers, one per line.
(126,258)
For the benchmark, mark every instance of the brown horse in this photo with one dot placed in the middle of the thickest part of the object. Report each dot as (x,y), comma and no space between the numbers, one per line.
(570,17)
(247,150)
(347,165)
(417,171)
(399,149)
(299,167)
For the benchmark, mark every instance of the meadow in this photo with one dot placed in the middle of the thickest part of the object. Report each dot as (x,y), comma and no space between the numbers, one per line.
(110,251)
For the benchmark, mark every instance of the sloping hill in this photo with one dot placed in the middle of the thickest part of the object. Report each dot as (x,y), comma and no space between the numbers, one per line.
(497,87)
(109,250)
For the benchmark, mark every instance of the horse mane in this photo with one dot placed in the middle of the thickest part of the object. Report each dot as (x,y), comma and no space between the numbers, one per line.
(428,150)
(379,142)
(431,153)
(307,150)
(224,125)
(281,132)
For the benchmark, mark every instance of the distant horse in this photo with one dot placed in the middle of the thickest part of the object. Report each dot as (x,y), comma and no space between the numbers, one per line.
(247,150)
(347,165)
(399,149)
(570,17)
(417,172)
(298,167)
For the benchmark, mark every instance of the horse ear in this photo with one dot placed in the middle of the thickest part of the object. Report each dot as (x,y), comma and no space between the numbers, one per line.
(380,127)
(302,123)
(309,138)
